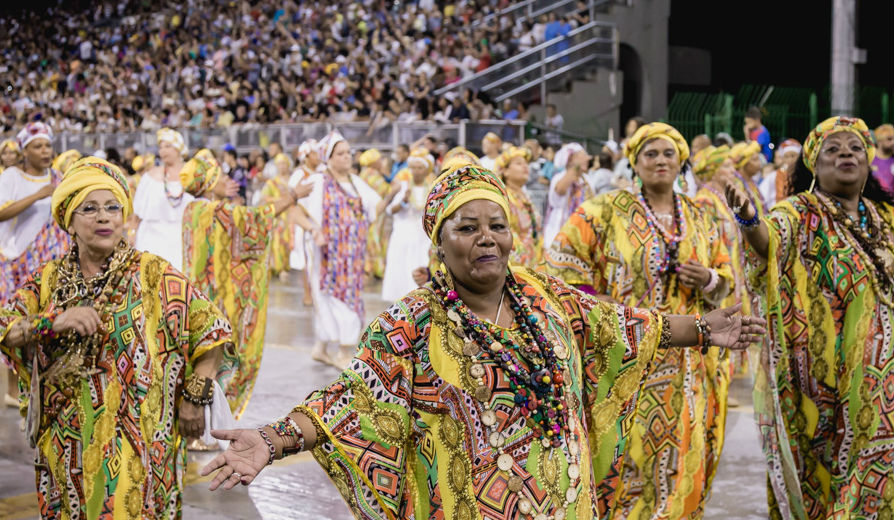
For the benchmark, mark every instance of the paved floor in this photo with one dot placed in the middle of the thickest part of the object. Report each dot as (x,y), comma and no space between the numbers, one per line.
(296,488)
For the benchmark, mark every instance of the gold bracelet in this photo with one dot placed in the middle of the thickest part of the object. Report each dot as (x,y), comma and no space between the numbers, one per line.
(664,341)
(199,390)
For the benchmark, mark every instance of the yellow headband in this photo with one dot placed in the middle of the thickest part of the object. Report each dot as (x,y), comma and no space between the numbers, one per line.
(651,131)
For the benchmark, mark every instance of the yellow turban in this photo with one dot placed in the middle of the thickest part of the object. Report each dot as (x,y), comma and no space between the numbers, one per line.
(491,137)
(833,125)
(741,153)
(65,159)
(459,151)
(141,161)
(10,143)
(368,157)
(652,131)
(707,160)
(172,137)
(421,156)
(456,187)
(511,153)
(201,173)
(85,176)
(282,158)
(882,131)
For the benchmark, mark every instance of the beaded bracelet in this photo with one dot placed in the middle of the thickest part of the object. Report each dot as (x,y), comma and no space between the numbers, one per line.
(42,325)
(712,283)
(704,333)
(699,332)
(747,224)
(664,340)
(270,446)
(199,390)
(288,428)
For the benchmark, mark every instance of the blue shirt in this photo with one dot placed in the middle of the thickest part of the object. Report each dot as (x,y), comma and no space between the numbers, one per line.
(762,136)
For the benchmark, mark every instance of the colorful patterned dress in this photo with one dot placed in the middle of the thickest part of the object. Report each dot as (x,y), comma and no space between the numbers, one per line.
(283,239)
(824,394)
(225,255)
(31,238)
(111,448)
(377,243)
(527,230)
(401,431)
(677,437)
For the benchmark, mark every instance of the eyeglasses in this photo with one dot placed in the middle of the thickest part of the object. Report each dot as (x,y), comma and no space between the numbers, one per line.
(92,211)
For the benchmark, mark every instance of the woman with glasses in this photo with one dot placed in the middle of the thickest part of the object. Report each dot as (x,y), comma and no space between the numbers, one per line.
(118,350)
(823,262)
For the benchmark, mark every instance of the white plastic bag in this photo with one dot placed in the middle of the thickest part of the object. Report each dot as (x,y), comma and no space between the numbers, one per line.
(218,417)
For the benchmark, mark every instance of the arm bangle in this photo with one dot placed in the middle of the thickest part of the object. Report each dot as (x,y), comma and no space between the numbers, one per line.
(753,222)
(712,283)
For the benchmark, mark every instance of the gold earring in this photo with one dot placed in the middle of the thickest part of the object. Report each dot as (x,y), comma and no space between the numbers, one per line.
(812,183)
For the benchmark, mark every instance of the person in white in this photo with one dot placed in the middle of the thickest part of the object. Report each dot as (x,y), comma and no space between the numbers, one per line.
(567,189)
(409,245)
(308,164)
(160,200)
(337,213)
(789,152)
(491,146)
(28,235)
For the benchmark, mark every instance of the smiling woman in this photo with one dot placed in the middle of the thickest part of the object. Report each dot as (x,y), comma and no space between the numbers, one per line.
(823,262)
(117,349)
(492,391)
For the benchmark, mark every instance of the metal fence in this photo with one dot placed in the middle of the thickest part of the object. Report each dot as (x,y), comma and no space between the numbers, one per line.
(361,135)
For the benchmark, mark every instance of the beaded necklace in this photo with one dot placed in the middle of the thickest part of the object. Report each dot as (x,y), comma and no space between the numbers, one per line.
(173,200)
(539,391)
(866,238)
(669,263)
(75,356)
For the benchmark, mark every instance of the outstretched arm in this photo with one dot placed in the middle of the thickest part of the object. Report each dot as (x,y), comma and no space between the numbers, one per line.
(757,236)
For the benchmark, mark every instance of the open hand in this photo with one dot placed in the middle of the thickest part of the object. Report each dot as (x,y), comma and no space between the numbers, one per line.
(246,456)
(732,330)
(46,191)
(739,202)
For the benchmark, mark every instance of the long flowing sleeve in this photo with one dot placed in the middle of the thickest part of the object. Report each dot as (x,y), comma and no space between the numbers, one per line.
(617,345)
(364,422)
(577,254)
(25,302)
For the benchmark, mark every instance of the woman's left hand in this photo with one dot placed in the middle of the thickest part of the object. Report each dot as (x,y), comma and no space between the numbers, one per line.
(192,420)
(730,329)
(693,275)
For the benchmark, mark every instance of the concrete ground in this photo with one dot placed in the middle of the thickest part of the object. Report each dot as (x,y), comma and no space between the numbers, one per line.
(296,488)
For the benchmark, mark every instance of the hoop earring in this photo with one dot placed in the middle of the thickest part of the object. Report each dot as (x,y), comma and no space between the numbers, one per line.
(812,183)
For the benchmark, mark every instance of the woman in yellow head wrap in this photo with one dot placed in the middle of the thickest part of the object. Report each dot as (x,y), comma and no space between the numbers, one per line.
(823,263)
(747,160)
(372,171)
(119,350)
(491,147)
(284,231)
(512,389)
(10,154)
(226,248)
(65,159)
(408,245)
(656,248)
(525,220)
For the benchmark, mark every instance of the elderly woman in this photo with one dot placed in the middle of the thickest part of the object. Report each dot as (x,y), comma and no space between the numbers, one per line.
(524,219)
(283,238)
(28,235)
(408,246)
(225,250)
(119,351)
(493,391)
(655,248)
(159,201)
(823,262)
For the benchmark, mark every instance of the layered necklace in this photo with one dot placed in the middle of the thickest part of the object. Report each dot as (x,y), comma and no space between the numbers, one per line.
(74,356)
(537,372)
(668,262)
(173,199)
(869,240)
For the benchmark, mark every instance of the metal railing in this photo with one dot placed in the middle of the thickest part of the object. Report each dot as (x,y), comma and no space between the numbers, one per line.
(531,10)
(595,42)
(361,135)
(555,137)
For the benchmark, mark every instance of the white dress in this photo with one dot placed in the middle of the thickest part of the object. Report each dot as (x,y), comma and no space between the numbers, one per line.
(161,219)
(17,234)
(334,320)
(488,163)
(409,245)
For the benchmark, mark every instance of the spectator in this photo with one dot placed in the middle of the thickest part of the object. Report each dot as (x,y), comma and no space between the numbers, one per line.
(755,131)
(459,111)
(401,154)
(883,164)
(554,121)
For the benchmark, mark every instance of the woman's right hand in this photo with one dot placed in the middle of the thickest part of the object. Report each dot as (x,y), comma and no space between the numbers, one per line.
(739,202)
(246,456)
(83,320)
